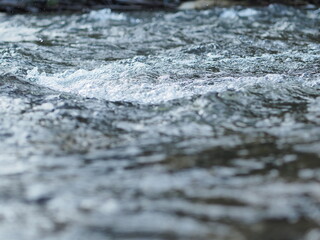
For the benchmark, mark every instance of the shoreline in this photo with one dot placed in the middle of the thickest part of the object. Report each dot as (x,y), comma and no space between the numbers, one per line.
(24,6)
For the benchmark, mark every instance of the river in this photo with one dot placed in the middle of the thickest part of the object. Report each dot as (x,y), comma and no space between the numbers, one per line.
(195,125)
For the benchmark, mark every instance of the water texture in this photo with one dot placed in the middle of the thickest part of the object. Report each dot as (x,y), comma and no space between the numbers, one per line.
(161,125)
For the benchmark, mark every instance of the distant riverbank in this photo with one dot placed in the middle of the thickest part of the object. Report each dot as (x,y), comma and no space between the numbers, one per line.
(34,6)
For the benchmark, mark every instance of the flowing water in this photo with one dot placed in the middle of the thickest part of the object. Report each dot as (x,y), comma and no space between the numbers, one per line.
(200,125)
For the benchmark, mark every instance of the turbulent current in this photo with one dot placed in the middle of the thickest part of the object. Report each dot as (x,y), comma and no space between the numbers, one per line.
(196,125)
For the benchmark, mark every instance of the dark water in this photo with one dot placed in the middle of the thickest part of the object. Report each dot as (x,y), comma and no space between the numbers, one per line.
(190,125)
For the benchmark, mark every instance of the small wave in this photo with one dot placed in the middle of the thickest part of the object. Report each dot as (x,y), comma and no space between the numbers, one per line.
(139,82)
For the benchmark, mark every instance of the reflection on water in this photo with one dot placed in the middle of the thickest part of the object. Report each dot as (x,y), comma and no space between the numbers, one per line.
(187,125)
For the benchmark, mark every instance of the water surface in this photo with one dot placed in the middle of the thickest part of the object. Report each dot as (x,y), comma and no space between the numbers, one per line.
(161,125)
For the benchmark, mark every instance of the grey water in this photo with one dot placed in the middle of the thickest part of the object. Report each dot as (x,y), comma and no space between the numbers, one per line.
(199,125)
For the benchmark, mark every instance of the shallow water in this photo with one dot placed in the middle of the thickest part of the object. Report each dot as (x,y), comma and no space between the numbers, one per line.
(160,125)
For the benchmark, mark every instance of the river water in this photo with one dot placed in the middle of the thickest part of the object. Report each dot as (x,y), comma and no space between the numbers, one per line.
(200,125)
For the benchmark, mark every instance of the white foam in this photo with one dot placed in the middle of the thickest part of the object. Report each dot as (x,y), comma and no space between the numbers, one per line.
(229,14)
(105,15)
(12,33)
(140,82)
(248,12)
(133,85)
(233,14)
